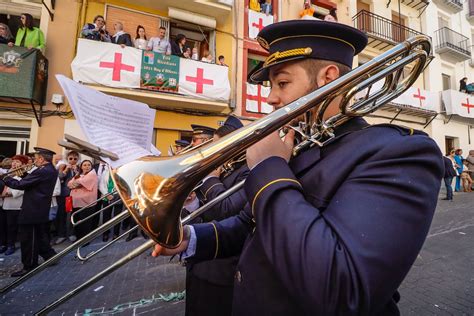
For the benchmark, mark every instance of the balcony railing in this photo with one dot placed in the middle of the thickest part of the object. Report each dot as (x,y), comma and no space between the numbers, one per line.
(452,43)
(382,29)
(454,5)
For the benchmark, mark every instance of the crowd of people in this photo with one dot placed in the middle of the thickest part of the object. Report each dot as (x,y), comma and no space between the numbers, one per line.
(96,31)
(28,36)
(459,168)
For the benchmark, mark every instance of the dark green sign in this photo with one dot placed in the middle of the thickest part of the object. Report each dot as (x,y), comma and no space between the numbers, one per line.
(23,74)
(159,72)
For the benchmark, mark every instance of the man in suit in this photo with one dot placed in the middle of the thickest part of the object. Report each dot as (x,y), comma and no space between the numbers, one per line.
(209,284)
(120,37)
(33,219)
(334,230)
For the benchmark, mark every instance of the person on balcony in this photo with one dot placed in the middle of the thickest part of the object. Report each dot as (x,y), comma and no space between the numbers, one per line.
(121,37)
(96,31)
(140,39)
(463,85)
(28,35)
(254,5)
(308,11)
(178,47)
(266,7)
(5,34)
(332,16)
(160,44)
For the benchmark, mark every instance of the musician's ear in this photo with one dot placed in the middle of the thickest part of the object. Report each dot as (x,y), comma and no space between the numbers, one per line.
(327,74)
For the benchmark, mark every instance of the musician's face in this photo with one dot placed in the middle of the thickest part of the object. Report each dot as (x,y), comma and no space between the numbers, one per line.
(199,139)
(39,160)
(16,163)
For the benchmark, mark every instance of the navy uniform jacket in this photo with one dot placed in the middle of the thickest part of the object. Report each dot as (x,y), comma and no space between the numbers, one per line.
(336,230)
(38,189)
(220,271)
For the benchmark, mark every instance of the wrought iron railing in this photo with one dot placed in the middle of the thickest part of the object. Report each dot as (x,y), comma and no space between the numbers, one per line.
(382,28)
(447,38)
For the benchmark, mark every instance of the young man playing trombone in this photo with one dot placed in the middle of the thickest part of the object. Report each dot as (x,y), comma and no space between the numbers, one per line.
(334,230)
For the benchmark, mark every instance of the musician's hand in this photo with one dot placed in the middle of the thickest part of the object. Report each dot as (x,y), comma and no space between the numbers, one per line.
(162,251)
(216,173)
(270,146)
(110,197)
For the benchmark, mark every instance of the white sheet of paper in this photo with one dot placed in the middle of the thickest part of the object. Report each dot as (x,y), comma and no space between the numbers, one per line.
(122,126)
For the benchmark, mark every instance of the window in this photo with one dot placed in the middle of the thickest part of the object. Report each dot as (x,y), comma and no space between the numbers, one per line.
(197,36)
(446,81)
(450,143)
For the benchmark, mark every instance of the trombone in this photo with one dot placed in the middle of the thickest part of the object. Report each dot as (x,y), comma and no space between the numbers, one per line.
(154,188)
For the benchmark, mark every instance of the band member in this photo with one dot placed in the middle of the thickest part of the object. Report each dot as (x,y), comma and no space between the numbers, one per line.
(33,219)
(209,284)
(201,134)
(334,230)
(180,144)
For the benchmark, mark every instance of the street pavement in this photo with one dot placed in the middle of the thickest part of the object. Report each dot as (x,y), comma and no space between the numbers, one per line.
(441,281)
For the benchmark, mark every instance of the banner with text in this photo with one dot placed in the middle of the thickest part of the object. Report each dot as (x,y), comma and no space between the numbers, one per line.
(458,103)
(159,72)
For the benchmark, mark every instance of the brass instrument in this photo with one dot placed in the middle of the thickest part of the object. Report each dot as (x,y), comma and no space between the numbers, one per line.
(233,164)
(154,188)
(20,171)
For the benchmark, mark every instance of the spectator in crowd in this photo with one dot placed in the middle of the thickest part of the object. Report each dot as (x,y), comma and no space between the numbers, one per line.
(67,171)
(470,163)
(254,5)
(160,44)
(83,192)
(58,161)
(207,58)
(449,174)
(332,16)
(12,200)
(195,54)
(140,38)
(463,85)
(96,31)
(459,168)
(266,7)
(106,186)
(307,11)
(466,179)
(178,46)
(33,220)
(222,61)
(6,164)
(5,34)
(121,37)
(28,35)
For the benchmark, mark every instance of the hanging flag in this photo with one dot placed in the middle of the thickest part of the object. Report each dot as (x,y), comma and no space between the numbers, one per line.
(256,99)
(257,21)
(458,103)
(107,64)
(204,80)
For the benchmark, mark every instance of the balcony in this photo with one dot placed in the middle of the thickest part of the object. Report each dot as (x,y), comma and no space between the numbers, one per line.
(161,81)
(470,13)
(453,5)
(416,4)
(382,32)
(452,44)
(23,80)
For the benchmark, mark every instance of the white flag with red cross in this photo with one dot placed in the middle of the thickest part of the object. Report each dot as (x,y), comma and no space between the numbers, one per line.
(257,21)
(458,103)
(107,64)
(256,99)
(203,80)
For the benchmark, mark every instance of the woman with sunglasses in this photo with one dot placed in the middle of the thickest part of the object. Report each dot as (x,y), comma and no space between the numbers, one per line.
(83,192)
(28,35)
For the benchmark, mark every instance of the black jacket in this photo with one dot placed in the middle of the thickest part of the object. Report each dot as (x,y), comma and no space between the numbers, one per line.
(449,171)
(122,39)
(38,189)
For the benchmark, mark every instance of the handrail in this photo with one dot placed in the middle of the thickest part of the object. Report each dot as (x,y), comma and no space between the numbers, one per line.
(446,37)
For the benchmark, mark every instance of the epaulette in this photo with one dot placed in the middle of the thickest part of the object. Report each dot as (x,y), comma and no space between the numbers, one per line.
(403,130)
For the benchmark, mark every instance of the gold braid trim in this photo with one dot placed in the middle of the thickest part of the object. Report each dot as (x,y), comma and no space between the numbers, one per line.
(287,53)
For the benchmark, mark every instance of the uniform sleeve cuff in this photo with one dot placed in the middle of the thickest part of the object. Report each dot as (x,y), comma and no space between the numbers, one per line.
(208,184)
(206,241)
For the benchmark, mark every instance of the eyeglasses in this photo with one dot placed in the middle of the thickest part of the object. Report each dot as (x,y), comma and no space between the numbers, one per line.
(73,158)
(198,138)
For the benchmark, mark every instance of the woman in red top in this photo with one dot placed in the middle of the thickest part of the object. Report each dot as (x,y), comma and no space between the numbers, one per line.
(84,192)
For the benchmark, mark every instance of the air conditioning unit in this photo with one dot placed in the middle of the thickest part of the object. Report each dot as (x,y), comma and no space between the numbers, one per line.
(191,17)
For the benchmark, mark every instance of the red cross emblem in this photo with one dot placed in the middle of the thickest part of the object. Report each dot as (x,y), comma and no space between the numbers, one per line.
(419,96)
(117,66)
(259,25)
(199,80)
(259,98)
(468,106)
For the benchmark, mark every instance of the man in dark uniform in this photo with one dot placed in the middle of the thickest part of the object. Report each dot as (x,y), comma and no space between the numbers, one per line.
(201,134)
(180,144)
(33,221)
(335,230)
(209,284)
